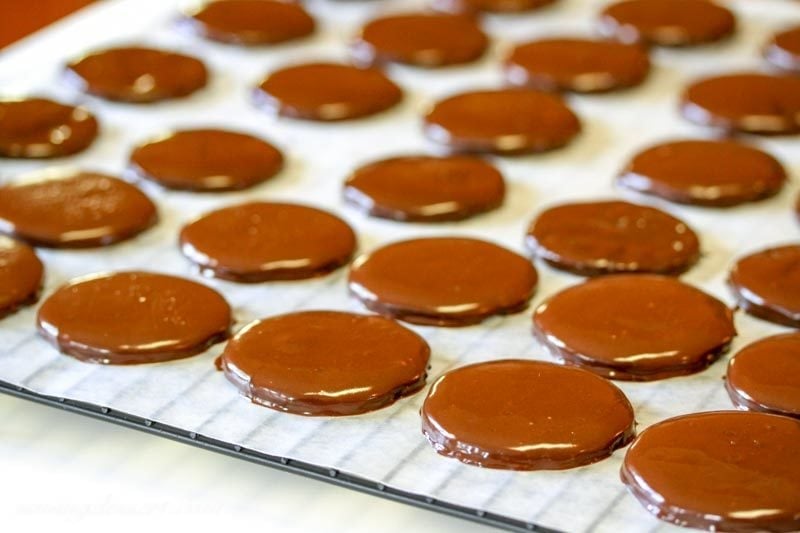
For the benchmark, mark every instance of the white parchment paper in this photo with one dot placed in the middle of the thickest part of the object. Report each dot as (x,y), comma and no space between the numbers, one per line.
(387,445)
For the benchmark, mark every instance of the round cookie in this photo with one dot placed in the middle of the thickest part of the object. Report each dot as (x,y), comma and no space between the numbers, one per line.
(491,6)
(133,317)
(636,327)
(138,75)
(506,122)
(513,414)
(250,22)
(206,160)
(327,92)
(578,65)
(719,471)
(426,188)
(765,376)
(706,173)
(20,275)
(420,39)
(38,128)
(612,237)
(326,363)
(443,281)
(783,51)
(263,241)
(766,284)
(73,209)
(747,103)
(666,22)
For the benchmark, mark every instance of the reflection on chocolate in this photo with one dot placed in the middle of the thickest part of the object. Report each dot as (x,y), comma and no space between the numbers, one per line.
(750,103)
(138,75)
(495,6)
(636,327)
(425,188)
(765,376)
(327,92)
(421,39)
(719,471)
(518,415)
(326,363)
(707,173)
(263,241)
(766,284)
(608,237)
(250,22)
(20,275)
(579,65)
(36,128)
(133,317)
(667,22)
(783,51)
(444,281)
(511,121)
(74,209)
(206,160)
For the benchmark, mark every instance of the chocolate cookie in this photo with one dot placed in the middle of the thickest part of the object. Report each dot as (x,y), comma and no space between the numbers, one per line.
(37,128)
(20,275)
(766,284)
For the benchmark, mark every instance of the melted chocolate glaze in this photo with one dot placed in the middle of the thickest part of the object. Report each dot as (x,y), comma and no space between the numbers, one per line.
(206,160)
(667,22)
(747,102)
(494,6)
(261,241)
(765,376)
(610,237)
(707,173)
(444,281)
(138,75)
(719,471)
(783,51)
(133,318)
(326,363)
(37,128)
(20,276)
(635,327)
(74,210)
(425,188)
(766,284)
(506,122)
(327,92)
(513,414)
(579,65)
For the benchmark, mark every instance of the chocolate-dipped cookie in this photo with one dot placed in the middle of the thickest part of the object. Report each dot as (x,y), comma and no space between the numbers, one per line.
(38,128)
(766,284)
(490,6)
(20,275)
(783,50)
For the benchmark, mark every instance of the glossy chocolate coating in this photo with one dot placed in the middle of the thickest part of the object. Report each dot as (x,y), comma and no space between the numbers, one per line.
(783,51)
(138,75)
(719,471)
(609,237)
(515,415)
(443,281)
(506,122)
(37,128)
(636,327)
(748,103)
(327,92)
(765,376)
(425,188)
(707,173)
(492,6)
(766,284)
(206,160)
(326,363)
(667,22)
(20,275)
(420,39)
(250,22)
(262,241)
(579,65)
(133,317)
(74,210)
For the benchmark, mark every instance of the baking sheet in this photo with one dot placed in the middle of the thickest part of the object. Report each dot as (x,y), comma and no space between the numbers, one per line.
(385,446)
